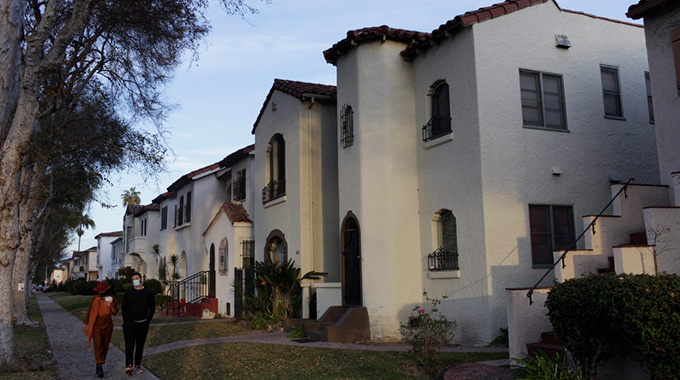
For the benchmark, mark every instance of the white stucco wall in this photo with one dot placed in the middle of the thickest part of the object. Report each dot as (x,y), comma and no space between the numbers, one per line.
(664,90)
(378,180)
(307,215)
(104,254)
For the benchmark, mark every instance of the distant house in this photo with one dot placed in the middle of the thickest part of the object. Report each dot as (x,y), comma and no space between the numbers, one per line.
(85,265)
(140,233)
(116,256)
(105,254)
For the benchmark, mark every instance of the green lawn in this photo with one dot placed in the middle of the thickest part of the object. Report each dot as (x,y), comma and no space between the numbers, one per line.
(32,343)
(69,301)
(163,334)
(263,361)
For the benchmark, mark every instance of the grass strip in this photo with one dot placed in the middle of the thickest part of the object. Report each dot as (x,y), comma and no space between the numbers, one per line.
(32,345)
(263,361)
(163,334)
(69,301)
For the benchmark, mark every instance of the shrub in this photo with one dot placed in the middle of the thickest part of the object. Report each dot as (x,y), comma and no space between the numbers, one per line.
(428,333)
(543,367)
(595,315)
(153,284)
(161,301)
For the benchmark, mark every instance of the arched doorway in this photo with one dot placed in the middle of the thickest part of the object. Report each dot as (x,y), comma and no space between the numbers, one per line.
(211,268)
(351,261)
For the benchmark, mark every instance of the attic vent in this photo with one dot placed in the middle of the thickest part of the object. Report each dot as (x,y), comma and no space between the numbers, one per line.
(562,41)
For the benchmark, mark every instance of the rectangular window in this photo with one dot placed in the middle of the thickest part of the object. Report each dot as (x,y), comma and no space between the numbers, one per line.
(552,229)
(675,38)
(611,91)
(248,252)
(175,214)
(187,211)
(542,100)
(164,218)
(239,187)
(650,104)
(180,211)
(142,227)
(347,119)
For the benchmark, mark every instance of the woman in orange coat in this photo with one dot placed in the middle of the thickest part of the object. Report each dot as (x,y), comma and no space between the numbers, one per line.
(98,324)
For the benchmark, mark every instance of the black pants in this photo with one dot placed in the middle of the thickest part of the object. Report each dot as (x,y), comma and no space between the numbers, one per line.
(135,336)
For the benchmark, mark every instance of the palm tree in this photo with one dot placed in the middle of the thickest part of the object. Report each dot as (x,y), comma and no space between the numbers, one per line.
(84,222)
(131,197)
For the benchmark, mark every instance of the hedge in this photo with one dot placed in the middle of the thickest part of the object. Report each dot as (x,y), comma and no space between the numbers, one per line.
(594,315)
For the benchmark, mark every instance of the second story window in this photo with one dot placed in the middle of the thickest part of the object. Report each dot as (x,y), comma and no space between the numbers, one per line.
(142,227)
(187,209)
(276,169)
(180,211)
(542,100)
(239,186)
(347,119)
(164,218)
(440,122)
(611,92)
(650,104)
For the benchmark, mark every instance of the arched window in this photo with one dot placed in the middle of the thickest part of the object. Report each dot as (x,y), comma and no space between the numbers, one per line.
(445,256)
(440,121)
(276,169)
(224,256)
(276,248)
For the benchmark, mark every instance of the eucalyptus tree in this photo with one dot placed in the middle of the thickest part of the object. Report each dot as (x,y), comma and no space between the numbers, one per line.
(69,66)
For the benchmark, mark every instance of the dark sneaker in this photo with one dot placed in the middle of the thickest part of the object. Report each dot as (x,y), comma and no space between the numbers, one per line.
(99,371)
(138,369)
(128,370)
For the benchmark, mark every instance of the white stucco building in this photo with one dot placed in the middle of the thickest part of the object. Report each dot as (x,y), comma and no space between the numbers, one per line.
(140,234)
(105,254)
(476,149)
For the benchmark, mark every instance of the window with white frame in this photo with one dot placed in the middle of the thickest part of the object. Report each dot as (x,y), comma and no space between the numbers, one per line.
(142,227)
(440,112)
(445,256)
(543,103)
(164,218)
(611,91)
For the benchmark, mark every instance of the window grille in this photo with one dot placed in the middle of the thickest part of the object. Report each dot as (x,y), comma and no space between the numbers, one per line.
(347,119)
(441,260)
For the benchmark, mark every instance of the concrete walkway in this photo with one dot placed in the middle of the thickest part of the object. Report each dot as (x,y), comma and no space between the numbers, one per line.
(74,357)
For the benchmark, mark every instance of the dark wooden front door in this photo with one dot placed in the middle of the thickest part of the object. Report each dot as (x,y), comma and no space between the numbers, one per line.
(351,258)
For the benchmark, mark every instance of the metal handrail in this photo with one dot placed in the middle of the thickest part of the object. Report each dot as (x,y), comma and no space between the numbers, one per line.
(573,244)
(198,284)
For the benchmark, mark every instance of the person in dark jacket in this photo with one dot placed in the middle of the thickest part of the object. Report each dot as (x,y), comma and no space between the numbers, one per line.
(98,324)
(138,309)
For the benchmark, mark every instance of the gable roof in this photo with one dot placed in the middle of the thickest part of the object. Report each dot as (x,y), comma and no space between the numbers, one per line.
(164,196)
(237,156)
(639,10)
(109,234)
(234,211)
(185,179)
(146,208)
(132,209)
(299,90)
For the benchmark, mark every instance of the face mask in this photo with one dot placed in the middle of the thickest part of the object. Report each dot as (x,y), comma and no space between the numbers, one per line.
(136,283)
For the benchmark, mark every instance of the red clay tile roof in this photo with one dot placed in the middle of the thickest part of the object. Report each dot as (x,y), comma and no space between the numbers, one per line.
(164,196)
(109,234)
(149,207)
(234,211)
(237,156)
(183,180)
(482,14)
(637,11)
(132,209)
(376,33)
(298,90)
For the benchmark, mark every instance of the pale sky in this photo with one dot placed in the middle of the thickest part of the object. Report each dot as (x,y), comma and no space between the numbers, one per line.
(221,94)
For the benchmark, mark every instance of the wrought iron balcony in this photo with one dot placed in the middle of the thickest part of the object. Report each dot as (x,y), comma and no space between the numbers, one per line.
(273,190)
(437,126)
(441,259)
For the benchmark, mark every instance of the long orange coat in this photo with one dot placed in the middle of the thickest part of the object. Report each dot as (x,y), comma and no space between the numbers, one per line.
(99,326)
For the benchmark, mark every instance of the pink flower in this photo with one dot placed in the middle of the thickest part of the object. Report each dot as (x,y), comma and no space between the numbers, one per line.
(421,311)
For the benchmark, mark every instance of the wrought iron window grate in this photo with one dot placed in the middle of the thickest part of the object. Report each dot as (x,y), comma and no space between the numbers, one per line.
(441,259)
(273,190)
(436,127)
(347,119)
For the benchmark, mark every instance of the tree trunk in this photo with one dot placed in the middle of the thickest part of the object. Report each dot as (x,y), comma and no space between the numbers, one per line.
(20,281)
(10,60)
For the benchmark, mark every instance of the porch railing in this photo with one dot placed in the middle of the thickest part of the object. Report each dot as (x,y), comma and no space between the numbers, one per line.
(192,289)
(573,244)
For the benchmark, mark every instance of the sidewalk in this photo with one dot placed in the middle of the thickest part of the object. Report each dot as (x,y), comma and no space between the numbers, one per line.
(74,357)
